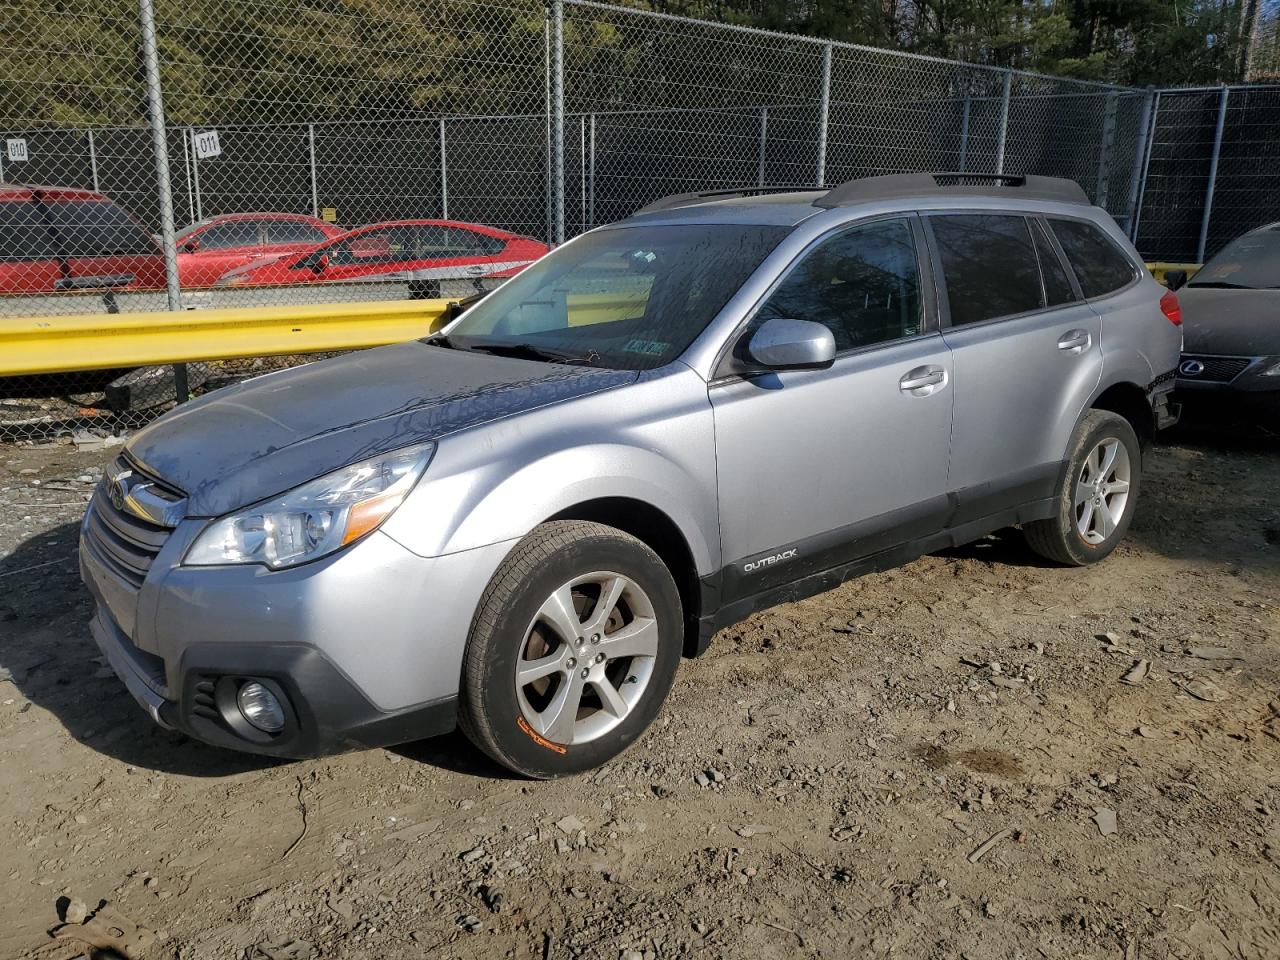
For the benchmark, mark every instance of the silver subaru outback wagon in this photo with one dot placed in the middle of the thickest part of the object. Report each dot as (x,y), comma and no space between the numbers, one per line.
(520,524)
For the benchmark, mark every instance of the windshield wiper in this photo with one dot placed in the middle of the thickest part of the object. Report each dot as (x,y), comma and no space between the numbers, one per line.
(440,340)
(529,351)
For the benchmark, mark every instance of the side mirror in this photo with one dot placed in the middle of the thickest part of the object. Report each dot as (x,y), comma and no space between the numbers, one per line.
(1175,279)
(321,263)
(192,245)
(792,345)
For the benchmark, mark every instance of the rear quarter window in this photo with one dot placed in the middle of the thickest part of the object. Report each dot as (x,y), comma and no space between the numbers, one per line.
(97,228)
(24,235)
(1099,265)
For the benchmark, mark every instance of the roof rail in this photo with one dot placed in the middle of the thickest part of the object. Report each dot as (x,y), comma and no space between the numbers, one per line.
(954,184)
(701,196)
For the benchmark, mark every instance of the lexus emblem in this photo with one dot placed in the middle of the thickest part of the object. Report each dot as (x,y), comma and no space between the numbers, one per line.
(119,489)
(1191,368)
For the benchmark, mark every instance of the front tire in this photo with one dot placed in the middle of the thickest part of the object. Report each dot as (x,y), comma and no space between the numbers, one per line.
(572,651)
(1096,496)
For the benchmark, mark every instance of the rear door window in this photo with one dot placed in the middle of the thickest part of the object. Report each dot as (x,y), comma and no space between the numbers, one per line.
(1099,265)
(293,231)
(24,234)
(989,265)
(97,228)
(232,233)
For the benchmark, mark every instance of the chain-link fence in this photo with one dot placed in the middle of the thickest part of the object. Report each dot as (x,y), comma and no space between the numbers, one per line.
(163,155)
(1213,170)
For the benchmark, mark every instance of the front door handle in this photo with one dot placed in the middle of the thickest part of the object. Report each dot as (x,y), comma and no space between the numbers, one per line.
(923,381)
(1075,341)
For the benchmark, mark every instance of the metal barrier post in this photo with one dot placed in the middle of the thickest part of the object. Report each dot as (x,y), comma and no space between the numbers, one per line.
(824,114)
(1003,136)
(557,118)
(1213,175)
(160,147)
(93,162)
(311,149)
(582,170)
(1137,178)
(1142,160)
(1103,178)
(760,150)
(444,176)
(964,133)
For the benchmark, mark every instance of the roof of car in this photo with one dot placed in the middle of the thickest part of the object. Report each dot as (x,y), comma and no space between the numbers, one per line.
(786,205)
(25,191)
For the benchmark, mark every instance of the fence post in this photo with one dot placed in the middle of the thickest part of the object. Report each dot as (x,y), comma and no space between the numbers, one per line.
(964,133)
(557,118)
(824,113)
(591,174)
(1142,159)
(195,173)
(1103,178)
(582,172)
(160,147)
(1003,136)
(444,176)
(1213,174)
(93,162)
(760,150)
(315,189)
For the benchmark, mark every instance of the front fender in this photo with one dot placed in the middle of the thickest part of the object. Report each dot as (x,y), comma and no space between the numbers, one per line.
(652,441)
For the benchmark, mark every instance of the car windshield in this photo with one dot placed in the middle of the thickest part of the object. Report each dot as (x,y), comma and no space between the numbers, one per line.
(626,298)
(1251,262)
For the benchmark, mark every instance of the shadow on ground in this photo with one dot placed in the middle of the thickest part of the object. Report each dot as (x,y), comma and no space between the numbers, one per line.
(48,654)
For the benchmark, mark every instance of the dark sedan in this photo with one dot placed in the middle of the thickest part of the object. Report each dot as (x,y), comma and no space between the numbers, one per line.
(1230,367)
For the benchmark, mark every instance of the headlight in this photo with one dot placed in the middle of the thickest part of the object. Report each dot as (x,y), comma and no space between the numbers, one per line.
(317,518)
(1271,371)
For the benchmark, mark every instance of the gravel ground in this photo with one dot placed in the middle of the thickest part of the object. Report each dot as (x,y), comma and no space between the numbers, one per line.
(940,761)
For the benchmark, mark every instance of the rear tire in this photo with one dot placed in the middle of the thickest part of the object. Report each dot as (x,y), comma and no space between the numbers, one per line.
(572,651)
(1097,494)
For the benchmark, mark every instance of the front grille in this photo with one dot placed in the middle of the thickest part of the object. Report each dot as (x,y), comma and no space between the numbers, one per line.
(1216,369)
(127,544)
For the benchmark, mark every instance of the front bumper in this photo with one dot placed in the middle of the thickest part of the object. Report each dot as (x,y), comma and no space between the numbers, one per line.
(365,646)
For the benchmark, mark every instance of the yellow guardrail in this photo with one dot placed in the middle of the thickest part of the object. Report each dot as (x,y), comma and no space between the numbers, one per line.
(1158,269)
(102,341)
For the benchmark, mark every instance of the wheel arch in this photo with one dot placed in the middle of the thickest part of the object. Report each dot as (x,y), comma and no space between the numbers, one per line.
(1128,400)
(661,534)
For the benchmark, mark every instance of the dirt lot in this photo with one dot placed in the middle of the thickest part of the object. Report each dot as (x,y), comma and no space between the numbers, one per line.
(819,785)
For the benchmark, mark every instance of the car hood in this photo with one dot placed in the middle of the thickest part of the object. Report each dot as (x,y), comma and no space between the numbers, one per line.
(251,441)
(1234,323)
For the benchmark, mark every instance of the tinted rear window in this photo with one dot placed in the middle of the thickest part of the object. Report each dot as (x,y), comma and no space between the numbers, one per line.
(1099,265)
(989,265)
(96,228)
(24,235)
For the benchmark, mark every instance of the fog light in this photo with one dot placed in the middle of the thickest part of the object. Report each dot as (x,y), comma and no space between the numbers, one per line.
(261,707)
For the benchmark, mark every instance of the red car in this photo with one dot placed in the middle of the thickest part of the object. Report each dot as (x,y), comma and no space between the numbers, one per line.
(422,252)
(55,239)
(210,248)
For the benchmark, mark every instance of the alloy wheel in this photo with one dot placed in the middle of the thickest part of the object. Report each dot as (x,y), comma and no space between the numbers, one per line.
(587,657)
(1102,491)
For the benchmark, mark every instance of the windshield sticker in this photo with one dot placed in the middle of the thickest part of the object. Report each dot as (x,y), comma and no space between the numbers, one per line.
(650,348)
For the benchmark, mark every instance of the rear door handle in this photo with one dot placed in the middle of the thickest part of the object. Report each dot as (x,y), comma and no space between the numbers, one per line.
(922,381)
(1075,341)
